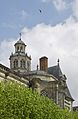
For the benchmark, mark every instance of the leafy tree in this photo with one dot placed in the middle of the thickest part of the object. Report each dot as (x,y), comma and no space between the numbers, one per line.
(19,102)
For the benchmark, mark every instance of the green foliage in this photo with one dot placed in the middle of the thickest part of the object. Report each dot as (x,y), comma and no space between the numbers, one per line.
(75,115)
(19,102)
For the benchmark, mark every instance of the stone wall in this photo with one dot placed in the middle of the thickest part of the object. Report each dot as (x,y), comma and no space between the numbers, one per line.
(7,74)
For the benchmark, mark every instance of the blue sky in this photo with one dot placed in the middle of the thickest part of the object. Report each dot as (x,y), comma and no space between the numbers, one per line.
(14,15)
(52,33)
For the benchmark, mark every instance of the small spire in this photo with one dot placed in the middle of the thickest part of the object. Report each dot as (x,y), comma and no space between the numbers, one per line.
(58,62)
(58,68)
(20,36)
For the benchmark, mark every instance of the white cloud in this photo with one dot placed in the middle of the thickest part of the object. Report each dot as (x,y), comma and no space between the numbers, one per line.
(6,47)
(60,41)
(59,4)
(75,8)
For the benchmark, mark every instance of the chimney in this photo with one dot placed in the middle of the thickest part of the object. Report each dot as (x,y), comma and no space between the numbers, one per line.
(44,63)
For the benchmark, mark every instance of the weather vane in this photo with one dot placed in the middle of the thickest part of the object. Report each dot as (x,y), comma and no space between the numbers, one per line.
(20,35)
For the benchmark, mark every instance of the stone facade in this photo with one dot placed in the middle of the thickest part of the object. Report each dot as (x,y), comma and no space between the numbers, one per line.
(48,85)
(7,74)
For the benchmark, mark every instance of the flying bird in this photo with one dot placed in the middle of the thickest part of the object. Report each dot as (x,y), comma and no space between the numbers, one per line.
(40,11)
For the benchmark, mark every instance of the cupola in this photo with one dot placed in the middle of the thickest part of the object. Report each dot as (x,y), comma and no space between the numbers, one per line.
(20,61)
(20,46)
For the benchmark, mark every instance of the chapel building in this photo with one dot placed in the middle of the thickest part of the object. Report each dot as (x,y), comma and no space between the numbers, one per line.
(48,81)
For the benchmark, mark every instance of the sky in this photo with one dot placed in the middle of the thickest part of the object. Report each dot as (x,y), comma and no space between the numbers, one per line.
(53,32)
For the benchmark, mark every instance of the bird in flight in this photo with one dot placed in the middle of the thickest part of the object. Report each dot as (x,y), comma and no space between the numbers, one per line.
(40,11)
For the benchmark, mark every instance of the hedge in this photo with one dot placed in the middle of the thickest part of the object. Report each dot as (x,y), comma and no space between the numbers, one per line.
(20,102)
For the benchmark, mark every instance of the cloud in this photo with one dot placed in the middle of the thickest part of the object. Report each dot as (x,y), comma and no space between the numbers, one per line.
(59,4)
(6,47)
(60,41)
(74,6)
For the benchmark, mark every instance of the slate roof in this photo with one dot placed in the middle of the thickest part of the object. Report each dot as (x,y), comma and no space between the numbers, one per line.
(37,72)
(68,94)
(56,71)
(19,42)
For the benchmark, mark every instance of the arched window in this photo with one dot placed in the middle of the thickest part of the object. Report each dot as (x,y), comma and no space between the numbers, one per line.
(15,63)
(18,48)
(21,48)
(22,63)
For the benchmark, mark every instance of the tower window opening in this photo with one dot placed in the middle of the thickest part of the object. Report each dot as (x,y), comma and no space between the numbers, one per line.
(21,48)
(18,48)
(15,63)
(22,63)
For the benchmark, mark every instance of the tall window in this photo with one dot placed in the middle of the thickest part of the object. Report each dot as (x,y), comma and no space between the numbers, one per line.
(22,63)
(21,48)
(15,63)
(28,65)
(18,48)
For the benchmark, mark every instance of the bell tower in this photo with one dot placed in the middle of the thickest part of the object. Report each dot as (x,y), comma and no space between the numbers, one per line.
(20,61)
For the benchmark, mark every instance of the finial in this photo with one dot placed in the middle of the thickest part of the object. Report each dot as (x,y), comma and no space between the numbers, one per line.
(20,35)
(58,61)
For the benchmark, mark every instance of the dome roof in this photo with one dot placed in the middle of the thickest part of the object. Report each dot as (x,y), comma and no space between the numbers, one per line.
(20,42)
